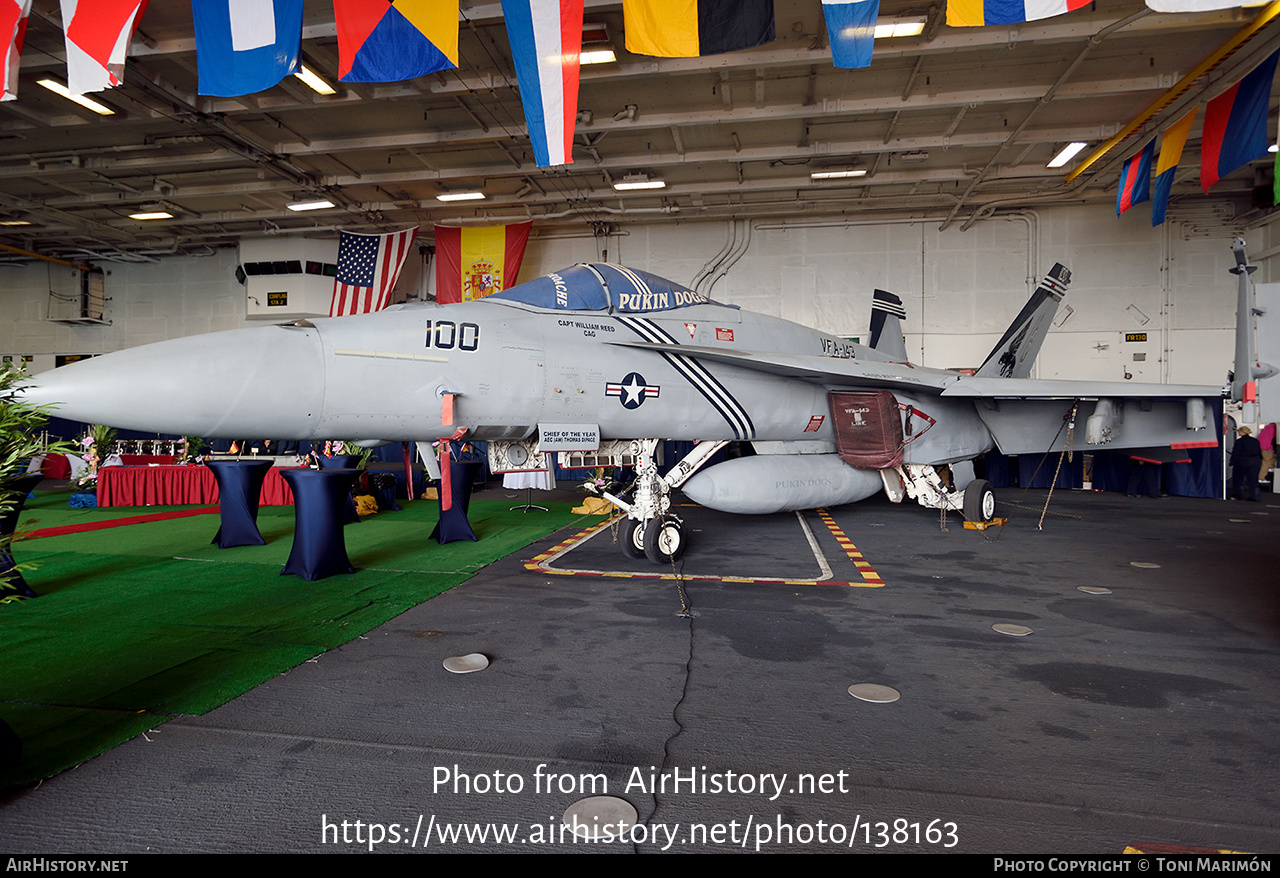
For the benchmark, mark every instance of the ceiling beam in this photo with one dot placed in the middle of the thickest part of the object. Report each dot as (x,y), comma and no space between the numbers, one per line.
(830,109)
(817,151)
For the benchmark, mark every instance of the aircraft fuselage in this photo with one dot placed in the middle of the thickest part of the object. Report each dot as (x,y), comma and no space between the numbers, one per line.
(511,367)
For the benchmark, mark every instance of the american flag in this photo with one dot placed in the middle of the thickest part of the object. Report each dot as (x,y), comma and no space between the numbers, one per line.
(368,266)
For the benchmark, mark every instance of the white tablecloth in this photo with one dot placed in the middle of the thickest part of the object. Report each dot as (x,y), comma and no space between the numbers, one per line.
(543,480)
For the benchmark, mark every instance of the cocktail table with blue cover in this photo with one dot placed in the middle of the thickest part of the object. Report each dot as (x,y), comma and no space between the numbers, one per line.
(319,496)
(338,461)
(342,461)
(453,524)
(239,489)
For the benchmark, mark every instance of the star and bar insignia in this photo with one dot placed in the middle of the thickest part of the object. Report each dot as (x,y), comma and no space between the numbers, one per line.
(632,390)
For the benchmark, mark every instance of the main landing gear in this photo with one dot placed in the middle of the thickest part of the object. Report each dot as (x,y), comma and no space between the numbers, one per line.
(924,484)
(650,529)
(661,543)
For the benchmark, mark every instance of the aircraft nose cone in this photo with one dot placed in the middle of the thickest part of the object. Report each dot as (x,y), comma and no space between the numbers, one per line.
(261,382)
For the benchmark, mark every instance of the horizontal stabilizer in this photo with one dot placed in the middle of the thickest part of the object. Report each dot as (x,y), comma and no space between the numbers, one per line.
(1160,455)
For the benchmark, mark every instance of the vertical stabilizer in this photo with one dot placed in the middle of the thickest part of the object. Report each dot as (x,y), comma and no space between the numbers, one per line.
(887,315)
(1014,354)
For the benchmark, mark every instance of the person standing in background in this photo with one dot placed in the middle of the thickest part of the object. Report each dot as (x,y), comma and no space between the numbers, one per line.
(1246,459)
(1267,439)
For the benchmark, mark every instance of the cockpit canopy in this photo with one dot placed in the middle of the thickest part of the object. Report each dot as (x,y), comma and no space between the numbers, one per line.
(601,286)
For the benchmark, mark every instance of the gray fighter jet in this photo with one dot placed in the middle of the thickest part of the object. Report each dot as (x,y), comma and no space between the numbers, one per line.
(598,363)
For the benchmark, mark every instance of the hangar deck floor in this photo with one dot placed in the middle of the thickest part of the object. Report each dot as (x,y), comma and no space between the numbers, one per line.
(1144,716)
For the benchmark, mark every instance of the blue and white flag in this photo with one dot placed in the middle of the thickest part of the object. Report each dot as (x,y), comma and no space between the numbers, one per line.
(851,26)
(245,46)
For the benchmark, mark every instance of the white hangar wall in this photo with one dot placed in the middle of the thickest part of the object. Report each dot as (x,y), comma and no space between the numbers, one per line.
(148,302)
(960,288)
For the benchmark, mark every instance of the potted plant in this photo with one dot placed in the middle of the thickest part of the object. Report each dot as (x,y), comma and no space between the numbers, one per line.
(98,444)
(21,428)
(193,449)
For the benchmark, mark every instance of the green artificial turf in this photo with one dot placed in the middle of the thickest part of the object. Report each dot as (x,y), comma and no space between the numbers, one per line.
(139,623)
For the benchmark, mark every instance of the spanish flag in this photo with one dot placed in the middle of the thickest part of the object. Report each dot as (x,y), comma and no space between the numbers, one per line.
(473,262)
(689,28)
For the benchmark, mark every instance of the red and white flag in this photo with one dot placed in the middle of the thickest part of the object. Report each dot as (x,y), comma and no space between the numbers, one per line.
(13,25)
(368,267)
(98,34)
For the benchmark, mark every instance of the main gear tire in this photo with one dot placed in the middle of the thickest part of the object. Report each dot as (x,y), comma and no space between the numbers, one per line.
(632,538)
(979,501)
(664,540)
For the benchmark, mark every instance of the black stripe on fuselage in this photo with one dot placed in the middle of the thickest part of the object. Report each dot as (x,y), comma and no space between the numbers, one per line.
(697,375)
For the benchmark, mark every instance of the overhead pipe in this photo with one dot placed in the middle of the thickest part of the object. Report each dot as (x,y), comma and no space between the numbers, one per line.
(54,260)
(733,257)
(707,279)
(710,266)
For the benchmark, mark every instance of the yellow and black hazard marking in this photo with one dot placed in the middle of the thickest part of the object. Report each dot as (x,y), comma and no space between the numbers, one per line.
(542,562)
(864,567)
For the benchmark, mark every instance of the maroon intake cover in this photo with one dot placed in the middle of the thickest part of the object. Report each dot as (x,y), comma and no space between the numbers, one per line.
(868,428)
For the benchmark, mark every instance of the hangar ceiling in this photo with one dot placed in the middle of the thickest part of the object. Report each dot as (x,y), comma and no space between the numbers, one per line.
(951,125)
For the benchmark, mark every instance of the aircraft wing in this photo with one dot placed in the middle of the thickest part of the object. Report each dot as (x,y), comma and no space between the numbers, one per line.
(1024,415)
(1027,415)
(1036,388)
(820,370)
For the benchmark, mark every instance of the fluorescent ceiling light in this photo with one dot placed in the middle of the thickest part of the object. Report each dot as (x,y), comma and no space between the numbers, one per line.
(835,175)
(314,82)
(14,223)
(88,103)
(597,56)
(638,181)
(1273,148)
(902,28)
(1067,154)
(460,196)
(313,204)
(151,215)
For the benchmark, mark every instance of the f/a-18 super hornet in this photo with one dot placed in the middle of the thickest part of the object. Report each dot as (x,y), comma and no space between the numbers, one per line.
(598,363)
